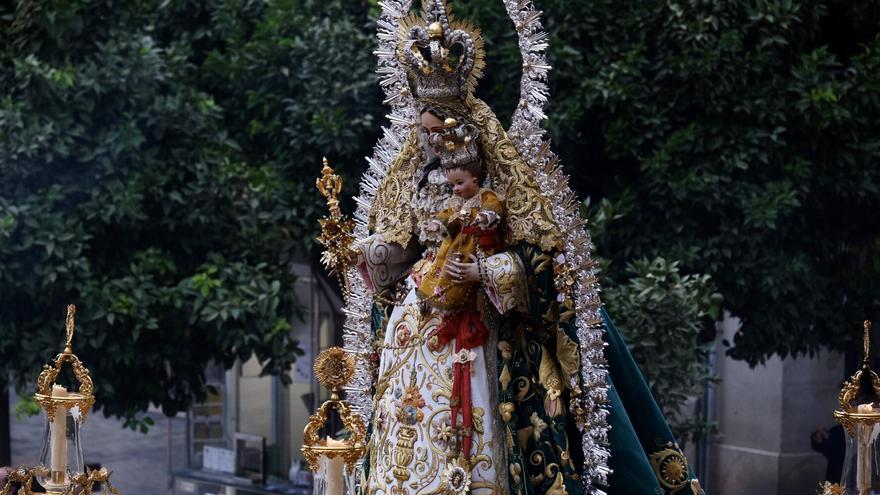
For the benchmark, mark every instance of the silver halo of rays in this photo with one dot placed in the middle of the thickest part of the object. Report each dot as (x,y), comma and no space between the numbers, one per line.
(531,141)
(357,337)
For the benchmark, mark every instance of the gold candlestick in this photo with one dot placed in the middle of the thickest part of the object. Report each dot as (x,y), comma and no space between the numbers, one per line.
(859,414)
(334,368)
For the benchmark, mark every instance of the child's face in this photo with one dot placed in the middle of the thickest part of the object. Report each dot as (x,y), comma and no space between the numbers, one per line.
(464,184)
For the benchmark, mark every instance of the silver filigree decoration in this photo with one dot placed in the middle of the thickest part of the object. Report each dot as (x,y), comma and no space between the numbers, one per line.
(357,336)
(530,139)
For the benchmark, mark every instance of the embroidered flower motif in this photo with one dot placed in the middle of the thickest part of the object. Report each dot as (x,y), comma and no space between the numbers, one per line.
(412,397)
(465,356)
(411,402)
(443,432)
(410,415)
(456,478)
(538,424)
(402,335)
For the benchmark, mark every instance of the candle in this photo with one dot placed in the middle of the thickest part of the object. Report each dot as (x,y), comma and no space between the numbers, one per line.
(335,468)
(863,437)
(59,440)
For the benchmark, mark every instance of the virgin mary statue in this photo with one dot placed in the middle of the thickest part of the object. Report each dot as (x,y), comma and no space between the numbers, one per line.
(525,387)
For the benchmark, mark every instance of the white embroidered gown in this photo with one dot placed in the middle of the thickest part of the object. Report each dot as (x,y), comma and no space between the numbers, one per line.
(412,441)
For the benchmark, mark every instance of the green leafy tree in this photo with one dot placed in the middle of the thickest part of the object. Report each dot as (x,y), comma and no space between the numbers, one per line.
(738,138)
(157,163)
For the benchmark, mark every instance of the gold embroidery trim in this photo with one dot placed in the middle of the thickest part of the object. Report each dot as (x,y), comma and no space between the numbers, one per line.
(671,468)
(529,215)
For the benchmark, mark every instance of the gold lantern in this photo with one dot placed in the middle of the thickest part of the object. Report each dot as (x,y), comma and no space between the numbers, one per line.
(333,460)
(859,414)
(61,470)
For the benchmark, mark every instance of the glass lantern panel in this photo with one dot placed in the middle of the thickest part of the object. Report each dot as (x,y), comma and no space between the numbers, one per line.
(62,453)
(861,475)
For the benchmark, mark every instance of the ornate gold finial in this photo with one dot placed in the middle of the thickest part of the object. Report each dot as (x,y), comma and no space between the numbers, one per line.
(435,30)
(70,324)
(336,230)
(866,359)
(334,368)
(330,185)
(84,398)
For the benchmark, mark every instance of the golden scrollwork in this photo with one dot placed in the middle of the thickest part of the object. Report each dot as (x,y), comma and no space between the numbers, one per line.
(337,231)
(84,484)
(84,398)
(334,368)
(24,477)
(529,215)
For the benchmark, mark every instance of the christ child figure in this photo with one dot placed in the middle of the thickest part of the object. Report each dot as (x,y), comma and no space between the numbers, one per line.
(471,224)
(470,229)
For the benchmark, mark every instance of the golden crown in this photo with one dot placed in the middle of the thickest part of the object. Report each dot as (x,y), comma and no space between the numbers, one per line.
(443,57)
(456,144)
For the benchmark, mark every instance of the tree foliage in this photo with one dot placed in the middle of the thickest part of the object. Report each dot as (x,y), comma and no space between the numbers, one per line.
(667,314)
(740,138)
(157,164)
(157,161)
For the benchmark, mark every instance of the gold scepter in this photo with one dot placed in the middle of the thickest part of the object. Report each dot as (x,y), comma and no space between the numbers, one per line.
(336,229)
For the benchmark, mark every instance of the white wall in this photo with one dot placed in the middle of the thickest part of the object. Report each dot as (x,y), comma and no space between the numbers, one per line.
(765,417)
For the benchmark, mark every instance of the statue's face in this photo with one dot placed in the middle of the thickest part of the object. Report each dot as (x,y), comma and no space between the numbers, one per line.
(430,124)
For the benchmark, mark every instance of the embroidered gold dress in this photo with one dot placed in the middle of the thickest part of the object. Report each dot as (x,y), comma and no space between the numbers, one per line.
(542,402)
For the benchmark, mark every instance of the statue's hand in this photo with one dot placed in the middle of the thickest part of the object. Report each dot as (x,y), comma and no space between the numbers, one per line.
(463,271)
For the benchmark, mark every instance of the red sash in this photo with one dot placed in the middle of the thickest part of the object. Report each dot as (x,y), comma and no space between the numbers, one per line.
(468,331)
